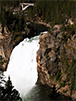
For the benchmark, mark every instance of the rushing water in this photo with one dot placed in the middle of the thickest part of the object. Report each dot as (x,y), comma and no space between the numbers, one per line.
(22,69)
(22,66)
(38,93)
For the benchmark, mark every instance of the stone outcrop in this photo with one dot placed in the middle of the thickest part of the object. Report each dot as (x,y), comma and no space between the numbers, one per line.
(8,40)
(1,36)
(57,48)
(5,46)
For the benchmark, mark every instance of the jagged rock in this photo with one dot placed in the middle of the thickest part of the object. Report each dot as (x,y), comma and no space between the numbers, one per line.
(6,47)
(74,37)
(52,57)
(56,49)
(2,52)
(57,27)
(51,44)
(4,66)
(8,40)
(1,36)
(43,60)
(60,35)
(5,29)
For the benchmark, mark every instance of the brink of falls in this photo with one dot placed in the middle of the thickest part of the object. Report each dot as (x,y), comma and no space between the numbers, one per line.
(22,67)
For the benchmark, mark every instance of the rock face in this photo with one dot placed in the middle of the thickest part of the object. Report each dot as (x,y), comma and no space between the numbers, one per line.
(5,46)
(8,40)
(1,37)
(54,58)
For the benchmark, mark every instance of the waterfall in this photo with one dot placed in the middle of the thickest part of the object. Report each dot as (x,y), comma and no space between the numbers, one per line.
(22,67)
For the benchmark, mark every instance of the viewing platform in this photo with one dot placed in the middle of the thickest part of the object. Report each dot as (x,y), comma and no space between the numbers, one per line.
(26,5)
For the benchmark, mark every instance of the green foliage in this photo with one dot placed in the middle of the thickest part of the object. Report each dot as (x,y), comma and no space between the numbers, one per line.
(54,11)
(0,57)
(69,69)
(64,60)
(3,14)
(9,3)
(8,86)
(61,85)
(73,74)
(13,22)
(7,92)
(58,75)
(2,61)
(70,29)
(65,91)
(49,11)
(51,77)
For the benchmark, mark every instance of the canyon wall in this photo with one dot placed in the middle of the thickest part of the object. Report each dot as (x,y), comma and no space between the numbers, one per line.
(56,57)
(56,60)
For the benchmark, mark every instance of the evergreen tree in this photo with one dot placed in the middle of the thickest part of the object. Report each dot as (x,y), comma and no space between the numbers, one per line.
(10,92)
(8,86)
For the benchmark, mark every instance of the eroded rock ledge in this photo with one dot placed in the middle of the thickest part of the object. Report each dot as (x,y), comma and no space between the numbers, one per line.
(8,40)
(56,58)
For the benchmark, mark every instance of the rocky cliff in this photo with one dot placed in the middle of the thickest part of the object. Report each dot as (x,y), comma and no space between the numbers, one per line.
(5,46)
(56,59)
(8,40)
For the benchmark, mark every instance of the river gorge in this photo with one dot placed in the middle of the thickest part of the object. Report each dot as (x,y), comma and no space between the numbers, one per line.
(26,74)
(37,50)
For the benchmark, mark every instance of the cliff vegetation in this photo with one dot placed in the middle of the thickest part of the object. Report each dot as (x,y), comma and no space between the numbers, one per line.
(56,57)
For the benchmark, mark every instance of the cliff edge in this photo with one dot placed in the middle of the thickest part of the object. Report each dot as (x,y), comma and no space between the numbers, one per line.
(56,59)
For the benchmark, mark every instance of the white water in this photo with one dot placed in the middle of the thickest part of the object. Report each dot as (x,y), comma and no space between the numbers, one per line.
(22,66)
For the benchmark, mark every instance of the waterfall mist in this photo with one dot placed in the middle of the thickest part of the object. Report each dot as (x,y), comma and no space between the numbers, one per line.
(22,67)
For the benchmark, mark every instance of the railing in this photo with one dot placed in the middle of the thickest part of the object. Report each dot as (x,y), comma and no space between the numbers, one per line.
(26,5)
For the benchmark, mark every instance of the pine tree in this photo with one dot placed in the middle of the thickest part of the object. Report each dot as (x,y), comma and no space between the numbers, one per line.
(10,92)
(8,86)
